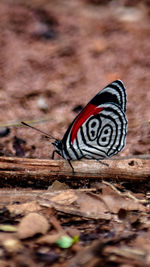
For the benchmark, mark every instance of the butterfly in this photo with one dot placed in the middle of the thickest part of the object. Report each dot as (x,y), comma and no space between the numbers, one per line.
(99,130)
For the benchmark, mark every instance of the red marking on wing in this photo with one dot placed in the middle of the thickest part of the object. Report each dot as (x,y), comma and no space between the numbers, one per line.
(83,116)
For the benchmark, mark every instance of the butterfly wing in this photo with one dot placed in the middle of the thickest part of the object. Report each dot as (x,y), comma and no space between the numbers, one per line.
(114,92)
(99,130)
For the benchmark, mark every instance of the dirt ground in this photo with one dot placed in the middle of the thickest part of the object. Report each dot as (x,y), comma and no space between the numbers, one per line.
(54,57)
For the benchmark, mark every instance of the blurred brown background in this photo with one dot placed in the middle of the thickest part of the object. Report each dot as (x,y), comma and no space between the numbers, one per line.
(56,55)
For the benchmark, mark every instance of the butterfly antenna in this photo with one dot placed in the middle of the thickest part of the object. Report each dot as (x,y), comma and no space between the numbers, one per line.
(48,135)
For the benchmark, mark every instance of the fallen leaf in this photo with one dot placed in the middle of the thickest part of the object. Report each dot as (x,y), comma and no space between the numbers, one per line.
(24,208)
(32,224)
(8,228)
(77,203)
(56,185)
(91,206)
(66,197)
(115,202)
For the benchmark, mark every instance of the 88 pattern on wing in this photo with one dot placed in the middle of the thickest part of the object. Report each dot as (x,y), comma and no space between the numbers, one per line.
(99,131)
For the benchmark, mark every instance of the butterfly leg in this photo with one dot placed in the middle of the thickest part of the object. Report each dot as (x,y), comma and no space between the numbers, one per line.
(88,157)
(103,163)
(53,154)
(69,161)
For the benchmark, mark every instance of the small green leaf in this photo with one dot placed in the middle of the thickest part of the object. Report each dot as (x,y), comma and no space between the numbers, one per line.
(65,242)
(75,239)
(8,228)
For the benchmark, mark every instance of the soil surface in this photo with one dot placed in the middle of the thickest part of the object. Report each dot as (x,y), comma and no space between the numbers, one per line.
(54,57)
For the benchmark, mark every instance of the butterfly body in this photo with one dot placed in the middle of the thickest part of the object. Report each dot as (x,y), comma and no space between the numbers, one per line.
(100,129)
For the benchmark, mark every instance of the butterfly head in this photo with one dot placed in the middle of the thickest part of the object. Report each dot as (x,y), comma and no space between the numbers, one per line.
(58,146)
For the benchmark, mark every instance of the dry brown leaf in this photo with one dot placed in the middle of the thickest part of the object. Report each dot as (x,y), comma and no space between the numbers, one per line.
(115,202)
(56,185)
(65,198)
(77,203)
(92,206)
(24,208)
(32,224)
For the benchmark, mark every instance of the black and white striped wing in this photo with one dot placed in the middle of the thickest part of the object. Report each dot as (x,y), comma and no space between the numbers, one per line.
(99,131)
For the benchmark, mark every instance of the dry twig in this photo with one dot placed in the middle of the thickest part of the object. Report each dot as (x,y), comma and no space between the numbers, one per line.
(27,171)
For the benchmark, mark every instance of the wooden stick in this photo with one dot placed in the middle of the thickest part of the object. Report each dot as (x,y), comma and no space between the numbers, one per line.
(25,171)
